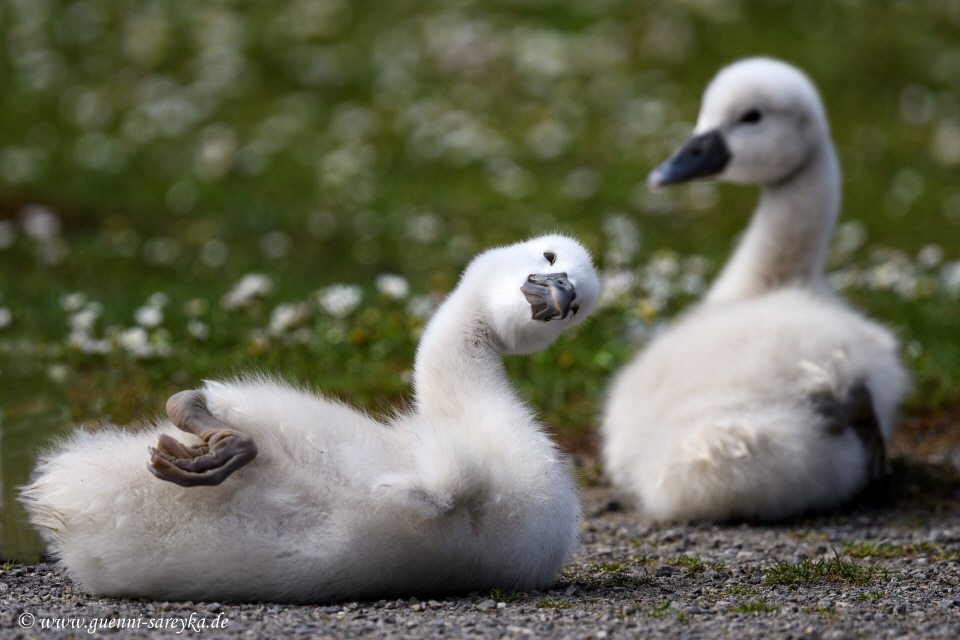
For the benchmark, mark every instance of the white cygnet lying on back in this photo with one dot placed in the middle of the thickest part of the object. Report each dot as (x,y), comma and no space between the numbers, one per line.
(278,494)
(772,396)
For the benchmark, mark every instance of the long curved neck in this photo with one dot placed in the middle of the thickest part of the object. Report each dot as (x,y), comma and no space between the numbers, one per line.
(789,236)
(459,367)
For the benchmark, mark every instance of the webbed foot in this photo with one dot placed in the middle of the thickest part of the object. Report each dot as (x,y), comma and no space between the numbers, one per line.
(855,412)
(224,450)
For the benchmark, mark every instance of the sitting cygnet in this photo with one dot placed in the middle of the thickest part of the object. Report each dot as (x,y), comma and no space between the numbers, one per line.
(772,396)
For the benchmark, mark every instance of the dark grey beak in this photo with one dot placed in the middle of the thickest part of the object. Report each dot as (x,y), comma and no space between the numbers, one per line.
(551,296)
(702,156)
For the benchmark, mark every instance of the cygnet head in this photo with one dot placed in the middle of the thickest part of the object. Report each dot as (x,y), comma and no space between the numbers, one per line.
(530,292)
(761,121)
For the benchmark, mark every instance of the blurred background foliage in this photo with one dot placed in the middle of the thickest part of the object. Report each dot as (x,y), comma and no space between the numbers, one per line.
(194,189)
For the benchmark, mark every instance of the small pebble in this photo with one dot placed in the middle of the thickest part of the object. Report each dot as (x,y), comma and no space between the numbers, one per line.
(486,605)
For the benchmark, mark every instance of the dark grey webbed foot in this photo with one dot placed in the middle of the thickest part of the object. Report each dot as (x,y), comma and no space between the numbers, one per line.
(856,412)
(864,422)
(224,450)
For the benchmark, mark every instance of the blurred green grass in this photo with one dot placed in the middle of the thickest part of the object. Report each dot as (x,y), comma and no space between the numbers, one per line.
(182,145)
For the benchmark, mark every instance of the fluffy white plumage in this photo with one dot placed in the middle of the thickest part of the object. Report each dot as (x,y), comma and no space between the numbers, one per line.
(771,396)
(465,492)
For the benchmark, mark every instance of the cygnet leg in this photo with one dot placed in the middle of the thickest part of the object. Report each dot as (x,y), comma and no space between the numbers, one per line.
(864,422)
(856,413)
(223,451)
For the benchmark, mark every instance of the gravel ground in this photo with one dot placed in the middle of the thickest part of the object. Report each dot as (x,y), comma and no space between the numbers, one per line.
(885,572)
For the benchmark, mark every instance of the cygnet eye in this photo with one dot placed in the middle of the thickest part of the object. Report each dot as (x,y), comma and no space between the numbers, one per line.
(550,256)
(751,116)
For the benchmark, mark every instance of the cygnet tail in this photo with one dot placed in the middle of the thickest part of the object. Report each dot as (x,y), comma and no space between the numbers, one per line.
(44,516)
(54,496)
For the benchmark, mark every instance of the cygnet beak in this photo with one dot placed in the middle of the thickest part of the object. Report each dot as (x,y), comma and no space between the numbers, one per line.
(551,296)
(702,156)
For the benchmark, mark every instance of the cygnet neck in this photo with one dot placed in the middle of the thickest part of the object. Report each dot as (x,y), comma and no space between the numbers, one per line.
(788,238)
(459,372)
